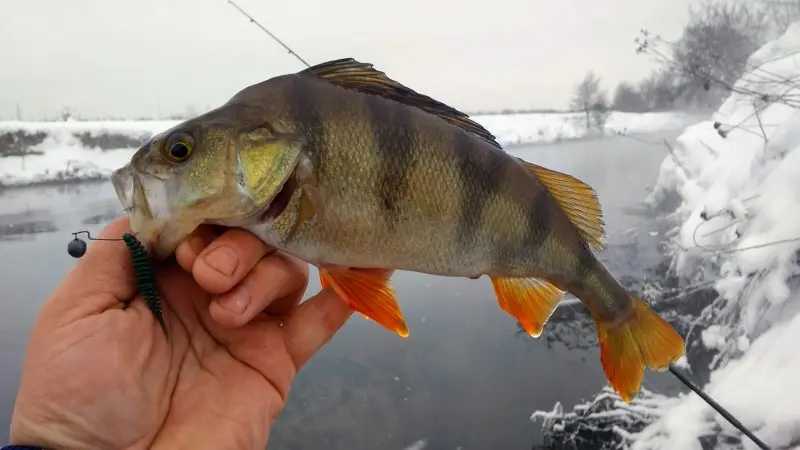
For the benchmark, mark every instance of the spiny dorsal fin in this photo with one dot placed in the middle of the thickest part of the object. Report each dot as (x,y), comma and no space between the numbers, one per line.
(362,77)
(577,199)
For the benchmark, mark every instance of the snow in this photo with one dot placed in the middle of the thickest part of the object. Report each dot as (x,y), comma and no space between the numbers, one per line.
(759,389)
(533,128)
(64,157)
(738,215)
(130,127)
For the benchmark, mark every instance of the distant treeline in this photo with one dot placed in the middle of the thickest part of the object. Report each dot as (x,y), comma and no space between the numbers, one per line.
(27,142)
(192,113)
(699,69)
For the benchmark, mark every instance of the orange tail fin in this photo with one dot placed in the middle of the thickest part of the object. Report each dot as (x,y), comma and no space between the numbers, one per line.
(643,340)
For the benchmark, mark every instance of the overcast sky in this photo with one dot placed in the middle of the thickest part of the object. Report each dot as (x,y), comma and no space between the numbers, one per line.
(145,57)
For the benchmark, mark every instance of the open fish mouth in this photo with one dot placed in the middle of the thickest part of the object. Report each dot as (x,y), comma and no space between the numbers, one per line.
(123,180)
(131,195)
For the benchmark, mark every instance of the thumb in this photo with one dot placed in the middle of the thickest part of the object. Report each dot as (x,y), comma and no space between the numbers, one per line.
(102,279)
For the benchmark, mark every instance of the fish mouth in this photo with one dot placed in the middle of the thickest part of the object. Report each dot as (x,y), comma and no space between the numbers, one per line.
(147,229)
(122,180)
(160,233)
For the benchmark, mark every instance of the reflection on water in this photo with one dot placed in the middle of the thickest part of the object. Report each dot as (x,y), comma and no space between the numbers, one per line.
(465,378)
(20,229)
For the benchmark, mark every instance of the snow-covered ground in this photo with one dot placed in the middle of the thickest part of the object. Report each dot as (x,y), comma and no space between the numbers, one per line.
(737,177)
(64,157)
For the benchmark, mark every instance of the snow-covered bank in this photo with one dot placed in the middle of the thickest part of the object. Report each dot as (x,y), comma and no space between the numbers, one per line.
(36,152)
(737,181)
(43,152)
(534,128)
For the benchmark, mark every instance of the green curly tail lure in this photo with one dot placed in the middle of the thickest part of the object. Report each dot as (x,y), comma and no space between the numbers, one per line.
(145,277)
(142,267)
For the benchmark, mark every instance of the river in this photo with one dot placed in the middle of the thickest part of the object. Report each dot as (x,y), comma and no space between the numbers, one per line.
(465,378)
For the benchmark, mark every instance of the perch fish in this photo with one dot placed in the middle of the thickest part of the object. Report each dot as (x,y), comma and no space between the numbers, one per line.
(346,168)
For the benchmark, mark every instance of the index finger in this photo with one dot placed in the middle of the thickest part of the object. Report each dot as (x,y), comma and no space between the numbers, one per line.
(227,260)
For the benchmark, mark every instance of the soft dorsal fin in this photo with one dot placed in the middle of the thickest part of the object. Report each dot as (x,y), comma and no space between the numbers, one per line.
(577,199)
(362,77)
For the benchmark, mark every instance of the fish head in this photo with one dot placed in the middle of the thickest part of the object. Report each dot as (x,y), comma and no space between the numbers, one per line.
(224,167)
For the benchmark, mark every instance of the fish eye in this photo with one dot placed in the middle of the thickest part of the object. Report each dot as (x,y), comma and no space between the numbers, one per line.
(179,147)
(179,151)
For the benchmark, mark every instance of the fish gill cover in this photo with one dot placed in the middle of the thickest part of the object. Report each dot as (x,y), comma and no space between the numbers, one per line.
(737,181)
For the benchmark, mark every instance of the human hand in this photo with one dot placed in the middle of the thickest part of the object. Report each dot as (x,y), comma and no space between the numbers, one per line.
(100,376)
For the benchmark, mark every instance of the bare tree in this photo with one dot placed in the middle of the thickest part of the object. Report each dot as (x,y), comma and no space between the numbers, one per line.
(601,111)
(780,13)
(661,89)
(701,68)
(587,96)
(628,98)
(715,45)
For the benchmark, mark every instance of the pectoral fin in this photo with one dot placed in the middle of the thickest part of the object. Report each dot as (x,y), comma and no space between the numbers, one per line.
(311,209)
(312,202)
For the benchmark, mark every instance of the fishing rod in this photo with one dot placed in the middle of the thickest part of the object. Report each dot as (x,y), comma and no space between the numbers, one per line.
(252,20)
(681,377)
(146,283)
(723,412)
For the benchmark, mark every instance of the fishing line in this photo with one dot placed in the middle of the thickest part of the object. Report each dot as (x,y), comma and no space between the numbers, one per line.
(146,278)
(252,20)
(142,267)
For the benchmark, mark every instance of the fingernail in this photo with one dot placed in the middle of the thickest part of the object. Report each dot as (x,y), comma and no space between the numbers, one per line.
(222,259)
(236,301)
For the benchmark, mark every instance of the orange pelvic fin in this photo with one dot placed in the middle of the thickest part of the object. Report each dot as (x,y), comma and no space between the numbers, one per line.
(643,340)
(325,284)
(529,300)
(322,279)
(368,292)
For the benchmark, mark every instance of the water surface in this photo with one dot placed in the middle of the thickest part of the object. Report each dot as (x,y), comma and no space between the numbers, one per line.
(465,379)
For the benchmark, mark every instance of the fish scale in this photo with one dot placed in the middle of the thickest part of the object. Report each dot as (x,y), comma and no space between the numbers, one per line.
(350,170)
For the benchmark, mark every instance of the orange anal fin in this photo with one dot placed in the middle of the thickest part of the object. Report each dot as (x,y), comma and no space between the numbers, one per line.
(529,300)
(368,292)
(643,340)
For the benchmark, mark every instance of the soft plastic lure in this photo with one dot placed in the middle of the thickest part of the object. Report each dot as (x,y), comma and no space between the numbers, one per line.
(142,267)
